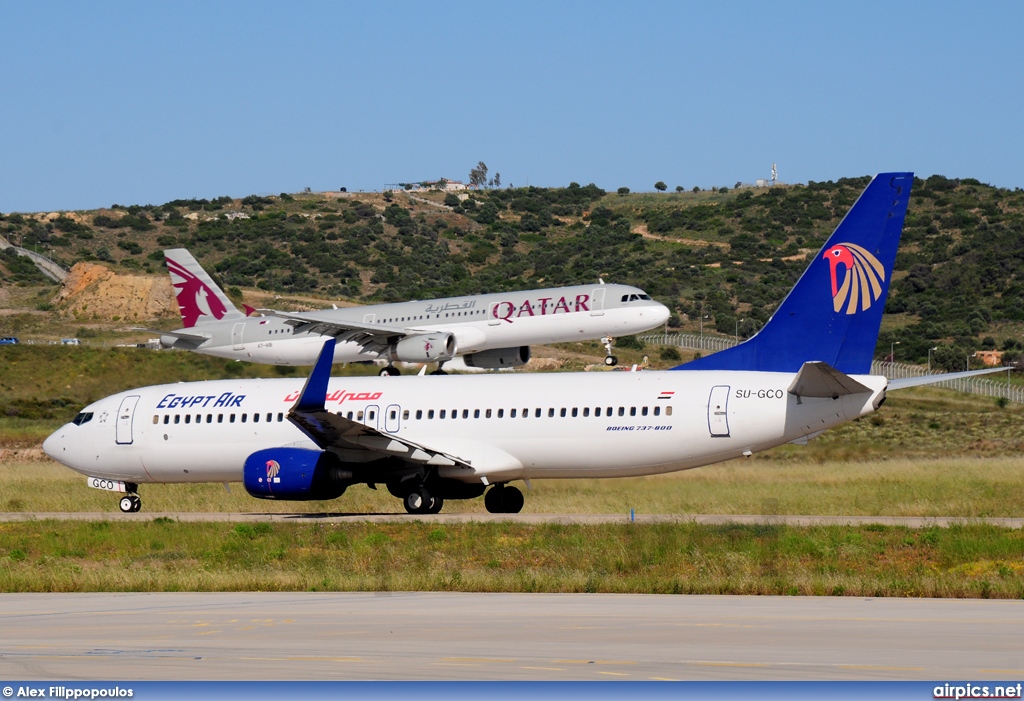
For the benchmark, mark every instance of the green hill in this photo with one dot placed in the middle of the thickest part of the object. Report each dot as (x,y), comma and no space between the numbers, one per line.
(731,253)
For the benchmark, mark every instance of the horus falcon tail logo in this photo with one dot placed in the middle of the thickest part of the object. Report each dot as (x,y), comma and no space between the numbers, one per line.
(273,467)
(862,281)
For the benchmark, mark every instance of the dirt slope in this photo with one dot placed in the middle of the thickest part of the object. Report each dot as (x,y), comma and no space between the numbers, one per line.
(94,291)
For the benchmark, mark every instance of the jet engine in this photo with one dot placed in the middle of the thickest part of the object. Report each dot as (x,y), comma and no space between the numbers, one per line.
(295,474)
(498,358)
(425,348)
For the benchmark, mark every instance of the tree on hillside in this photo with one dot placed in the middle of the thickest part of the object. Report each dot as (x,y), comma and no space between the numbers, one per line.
(623,191)
(497,180)
(679,188)
(660,186)
(696,188)
(478,175)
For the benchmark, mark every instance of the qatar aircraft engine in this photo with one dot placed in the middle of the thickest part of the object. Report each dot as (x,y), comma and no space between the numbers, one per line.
(428,440)
(486,331)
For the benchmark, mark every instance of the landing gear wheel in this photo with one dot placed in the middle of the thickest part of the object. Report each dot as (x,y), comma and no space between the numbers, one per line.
(418,502)
(494,500)
(513,500)
(438,372)
(389,370)
(136,503)
(611,361)
(435,505)
(126,505)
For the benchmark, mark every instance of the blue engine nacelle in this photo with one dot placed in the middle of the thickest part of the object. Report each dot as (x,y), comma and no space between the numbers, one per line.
(295,474)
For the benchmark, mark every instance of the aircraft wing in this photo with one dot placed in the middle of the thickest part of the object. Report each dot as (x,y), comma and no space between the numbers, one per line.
(329,430)
(367,335)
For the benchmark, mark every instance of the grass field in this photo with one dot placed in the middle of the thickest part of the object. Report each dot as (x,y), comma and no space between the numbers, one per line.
(163,555)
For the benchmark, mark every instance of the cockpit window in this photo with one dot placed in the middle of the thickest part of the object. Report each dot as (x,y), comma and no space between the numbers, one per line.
(82,418)
(647,297)
(635,297)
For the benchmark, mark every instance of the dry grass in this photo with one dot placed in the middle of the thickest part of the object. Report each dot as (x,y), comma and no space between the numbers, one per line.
(961,487)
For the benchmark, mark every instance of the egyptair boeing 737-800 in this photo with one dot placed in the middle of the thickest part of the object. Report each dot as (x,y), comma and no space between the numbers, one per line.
(487,331)
(429,440)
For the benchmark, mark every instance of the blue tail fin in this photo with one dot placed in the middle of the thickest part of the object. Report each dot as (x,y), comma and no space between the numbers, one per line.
(834,312)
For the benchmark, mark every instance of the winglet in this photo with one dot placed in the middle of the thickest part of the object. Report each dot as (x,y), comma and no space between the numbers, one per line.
(314,393)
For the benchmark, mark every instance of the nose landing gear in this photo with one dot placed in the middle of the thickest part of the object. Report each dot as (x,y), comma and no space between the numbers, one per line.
(130,503)
(610,360)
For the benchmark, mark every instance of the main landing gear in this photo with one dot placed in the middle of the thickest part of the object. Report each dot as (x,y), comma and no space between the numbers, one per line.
(130,503)
(501,499)
(610,360)
(389,370)
(420,501)
(440,370)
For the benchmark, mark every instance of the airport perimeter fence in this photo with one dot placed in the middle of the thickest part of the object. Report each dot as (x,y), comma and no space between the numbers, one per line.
(48,267)
(894,371)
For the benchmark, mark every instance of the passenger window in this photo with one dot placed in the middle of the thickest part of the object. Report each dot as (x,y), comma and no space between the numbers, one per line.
(512,414)
(419,414)
(586,411)
(209,418)
(657,411)
(575,412)
(156,419)
(244,417)
(597,411)
(255,418)
(167,419)
(465,413)
(405,415)
(188,418)
(394,414)
(632,411)
(668,411)
(562,413)
(430,414)
(359,416)
(373,415)
(609,412)
(551,413)
(536,413)
(501,413)
(622,411)
(348,416)
(476,413)
(220,418)
(487,414)
(177,418)
(441,415)
(643,412)
(270,417)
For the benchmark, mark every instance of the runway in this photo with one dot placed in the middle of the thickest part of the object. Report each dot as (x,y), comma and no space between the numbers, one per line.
(527,518)
(455,636)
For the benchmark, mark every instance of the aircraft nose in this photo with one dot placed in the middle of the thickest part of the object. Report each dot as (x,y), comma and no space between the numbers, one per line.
(54,445)
(662,313)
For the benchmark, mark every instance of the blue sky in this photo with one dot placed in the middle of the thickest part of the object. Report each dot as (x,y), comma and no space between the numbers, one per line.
(147,102)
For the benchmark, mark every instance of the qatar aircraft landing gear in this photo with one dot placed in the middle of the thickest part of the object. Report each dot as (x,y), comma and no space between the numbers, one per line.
(501,499)
(610,360)
(440,370)
(389,370)
(130,503)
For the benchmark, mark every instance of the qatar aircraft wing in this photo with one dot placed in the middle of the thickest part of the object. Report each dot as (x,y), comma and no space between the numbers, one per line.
(487,331)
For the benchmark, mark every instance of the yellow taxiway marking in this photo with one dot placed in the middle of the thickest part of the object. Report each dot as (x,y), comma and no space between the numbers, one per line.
(550,669)
(475,659)
(572,661)
(662,679)
(615,674)
(875,666)
(210,632)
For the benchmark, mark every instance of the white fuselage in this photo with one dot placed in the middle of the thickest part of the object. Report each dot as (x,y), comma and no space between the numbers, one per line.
(613,424)
(478,322)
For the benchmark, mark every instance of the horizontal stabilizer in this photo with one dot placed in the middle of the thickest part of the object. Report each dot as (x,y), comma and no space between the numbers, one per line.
(905,382)
(182,335)
(818,379)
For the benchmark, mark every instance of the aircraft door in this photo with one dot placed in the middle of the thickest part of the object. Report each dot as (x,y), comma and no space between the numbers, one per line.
(370,416)
(368,319)
(393,418)
(492,315)
(236,336)
(597,302)
(125,414)
(718,408)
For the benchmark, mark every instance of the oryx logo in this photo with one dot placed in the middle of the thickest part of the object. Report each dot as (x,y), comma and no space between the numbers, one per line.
(862,278)
(273,467)
(195,299)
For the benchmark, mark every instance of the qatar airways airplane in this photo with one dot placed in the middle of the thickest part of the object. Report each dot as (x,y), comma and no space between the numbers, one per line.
(428,441)
(488,331)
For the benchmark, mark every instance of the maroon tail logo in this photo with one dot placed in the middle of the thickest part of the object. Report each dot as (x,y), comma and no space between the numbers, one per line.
(195,298)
